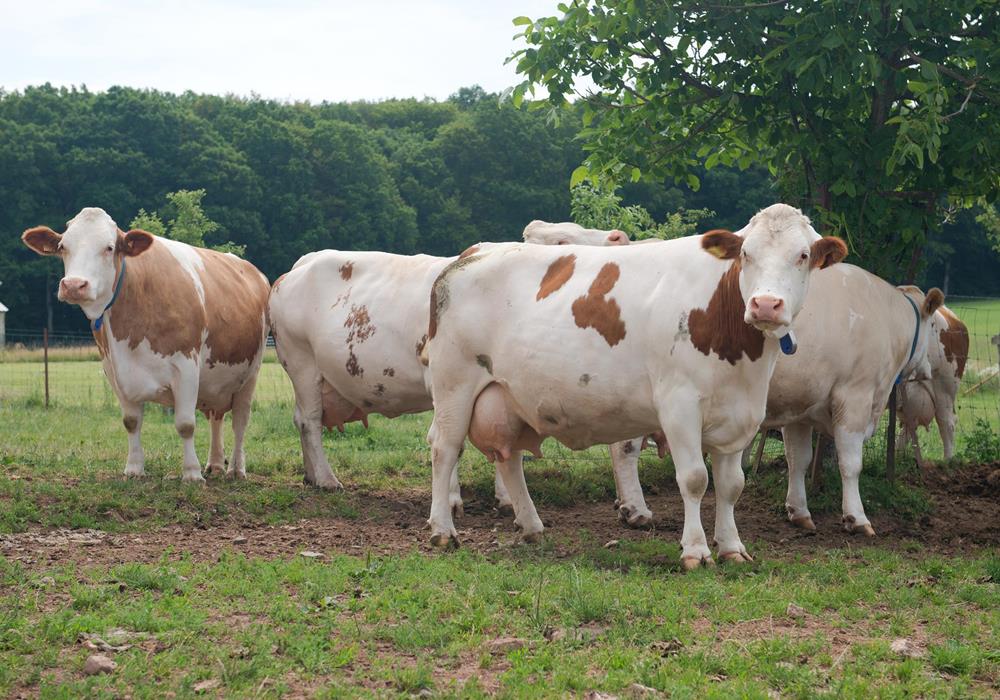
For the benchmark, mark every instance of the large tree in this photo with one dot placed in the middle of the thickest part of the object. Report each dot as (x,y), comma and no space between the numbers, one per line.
(878,116)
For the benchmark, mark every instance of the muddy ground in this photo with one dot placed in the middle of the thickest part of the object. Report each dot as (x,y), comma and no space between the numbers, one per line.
(965,516)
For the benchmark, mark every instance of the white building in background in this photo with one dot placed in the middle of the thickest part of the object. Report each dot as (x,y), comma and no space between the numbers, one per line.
(3,321)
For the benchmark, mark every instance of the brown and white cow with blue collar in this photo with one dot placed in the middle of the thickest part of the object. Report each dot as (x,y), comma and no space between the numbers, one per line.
(175,324)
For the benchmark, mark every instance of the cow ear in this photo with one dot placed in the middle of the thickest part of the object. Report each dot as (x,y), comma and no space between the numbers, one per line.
(932,302)
(42,240)
(134,242)
(827,251)
(721,243)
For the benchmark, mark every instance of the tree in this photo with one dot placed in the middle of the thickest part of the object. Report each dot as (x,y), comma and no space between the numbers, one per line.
(874,116)
(602,208)
(189,223)
(990,220)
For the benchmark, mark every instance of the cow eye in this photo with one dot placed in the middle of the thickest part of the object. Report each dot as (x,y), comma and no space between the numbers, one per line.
(803,257)
(561,243)
(109,248)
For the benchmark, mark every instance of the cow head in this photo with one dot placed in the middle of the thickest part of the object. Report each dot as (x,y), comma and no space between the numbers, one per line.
(91,250)
(568,233)
(927,305)
(775,252)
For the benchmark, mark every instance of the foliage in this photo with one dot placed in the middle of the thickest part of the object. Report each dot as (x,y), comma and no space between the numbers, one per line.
(990,220)
(189,224)
(602,208)
(870,115)
(982,444)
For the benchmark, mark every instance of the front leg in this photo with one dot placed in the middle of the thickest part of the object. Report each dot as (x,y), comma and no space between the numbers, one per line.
(185,390)
(727,473)
(135,463)
(681,422)
(632,508)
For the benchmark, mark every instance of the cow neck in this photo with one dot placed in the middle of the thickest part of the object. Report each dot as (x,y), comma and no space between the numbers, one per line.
(98,322)
(916,336)
(721,328)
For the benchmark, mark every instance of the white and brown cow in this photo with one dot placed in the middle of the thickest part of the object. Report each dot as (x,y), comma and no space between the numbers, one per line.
(349,327)
(176,325)
(598,345)
(929,393)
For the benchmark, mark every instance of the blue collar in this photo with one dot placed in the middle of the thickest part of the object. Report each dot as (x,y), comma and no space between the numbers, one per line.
(913,345)
(99,321)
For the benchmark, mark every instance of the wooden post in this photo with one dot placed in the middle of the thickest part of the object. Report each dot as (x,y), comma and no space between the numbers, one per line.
(45,355)
(890,440)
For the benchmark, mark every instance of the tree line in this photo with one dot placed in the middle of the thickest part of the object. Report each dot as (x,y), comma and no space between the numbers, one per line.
(282,179)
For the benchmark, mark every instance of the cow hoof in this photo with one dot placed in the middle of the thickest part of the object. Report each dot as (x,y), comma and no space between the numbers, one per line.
(692,563)
(531,537)
(804,522)
(735,557)
(504,510)
(213,469)
(442,540)
(134,472)
(236,475)
(194,478)
(635,519)
(865,529)
(330,485)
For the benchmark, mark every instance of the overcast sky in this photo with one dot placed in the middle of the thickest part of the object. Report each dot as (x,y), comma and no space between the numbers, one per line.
(293,50)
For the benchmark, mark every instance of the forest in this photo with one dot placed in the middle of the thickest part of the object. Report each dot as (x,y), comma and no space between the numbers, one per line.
(283,179)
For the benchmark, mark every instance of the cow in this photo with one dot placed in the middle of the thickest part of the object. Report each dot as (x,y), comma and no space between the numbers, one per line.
(348,328)
(599,345)
(175,324)
(929,393)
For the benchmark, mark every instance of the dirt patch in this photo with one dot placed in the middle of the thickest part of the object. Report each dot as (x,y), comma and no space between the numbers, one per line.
(966,514)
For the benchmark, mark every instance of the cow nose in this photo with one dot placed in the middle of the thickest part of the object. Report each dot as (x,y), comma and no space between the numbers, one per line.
(73,286)
(766,308)
(617,238)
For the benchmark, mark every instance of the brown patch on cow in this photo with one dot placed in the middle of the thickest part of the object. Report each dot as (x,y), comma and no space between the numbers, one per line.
(235,298)
(379,389)
(421,343)
(486,362)
(130,423)
(185,430)
(955,341)
(594,311)
(556,276)
(432,326)
(101,338)
(390,372)
(346,270)
(359,323)
(471,250)
(551,419)
(628,448)
(584,379)
(353,368)
(277,283)
(720,327)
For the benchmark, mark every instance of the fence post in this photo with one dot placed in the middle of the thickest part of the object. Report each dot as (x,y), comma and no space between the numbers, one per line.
(45,355)
(890,440)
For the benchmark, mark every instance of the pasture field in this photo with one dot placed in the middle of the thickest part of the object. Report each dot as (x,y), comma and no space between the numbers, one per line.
(206,591)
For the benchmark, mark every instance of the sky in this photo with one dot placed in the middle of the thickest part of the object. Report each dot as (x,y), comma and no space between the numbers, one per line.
(338,50)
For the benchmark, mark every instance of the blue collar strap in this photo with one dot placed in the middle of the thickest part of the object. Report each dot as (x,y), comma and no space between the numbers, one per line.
(916,335)
(99,321)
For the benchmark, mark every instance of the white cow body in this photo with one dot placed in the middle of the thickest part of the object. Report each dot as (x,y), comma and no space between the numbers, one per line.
(929,392)
(186,328)
(622,342)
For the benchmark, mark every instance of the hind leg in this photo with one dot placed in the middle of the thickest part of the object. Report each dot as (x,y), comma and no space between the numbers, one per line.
(632,508)
(242,403)
(307,381)
(849,451)
(727,473)
(503,503)
(525,516)
(452,414)
(217,450)
(798,450)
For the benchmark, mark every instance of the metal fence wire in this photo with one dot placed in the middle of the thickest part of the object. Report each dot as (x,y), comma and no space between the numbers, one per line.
(64,370)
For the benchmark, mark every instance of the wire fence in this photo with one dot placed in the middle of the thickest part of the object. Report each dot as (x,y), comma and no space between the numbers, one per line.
(64,370)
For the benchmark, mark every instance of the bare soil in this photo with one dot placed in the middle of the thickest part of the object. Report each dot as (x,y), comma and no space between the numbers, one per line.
(965,516)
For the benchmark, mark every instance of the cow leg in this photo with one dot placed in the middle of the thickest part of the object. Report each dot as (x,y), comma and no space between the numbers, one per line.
(525,516)
(455,493)
(185,390)
(727,473)
(135,463)
(217,449)
(944,414)
(849,447)
(503,504)
(452,414)
(798,451)
(683,432)
(632,508)
(309,422)
(242,402)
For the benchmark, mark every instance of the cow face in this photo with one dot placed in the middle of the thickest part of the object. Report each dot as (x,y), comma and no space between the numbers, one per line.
(927,305)
(775,253)
(91,250)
